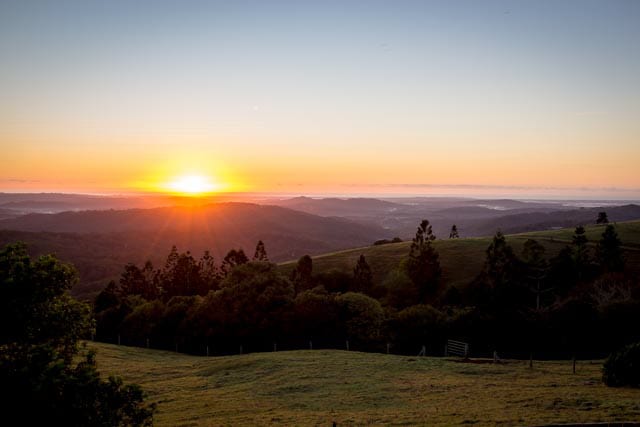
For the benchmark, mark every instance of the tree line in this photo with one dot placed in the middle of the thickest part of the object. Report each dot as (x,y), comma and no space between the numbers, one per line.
(578,301)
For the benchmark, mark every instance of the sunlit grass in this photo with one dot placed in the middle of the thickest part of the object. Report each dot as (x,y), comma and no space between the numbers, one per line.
(462,259)
(352,388)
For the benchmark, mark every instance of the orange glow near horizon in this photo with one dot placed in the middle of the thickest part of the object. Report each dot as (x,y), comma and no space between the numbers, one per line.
(346,101)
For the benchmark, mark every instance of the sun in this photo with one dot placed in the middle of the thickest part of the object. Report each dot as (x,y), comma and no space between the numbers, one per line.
(193,185)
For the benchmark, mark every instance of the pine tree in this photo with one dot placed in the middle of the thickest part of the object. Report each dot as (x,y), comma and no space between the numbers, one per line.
(536,267)
(260,253)
(580,252)
(454,232)
(423,265)
(602,218)
(362,277)
(500,264)
(609,251)
(209,273)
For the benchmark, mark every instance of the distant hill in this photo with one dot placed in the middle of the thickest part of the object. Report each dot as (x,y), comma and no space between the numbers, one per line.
(533,221)
(333,206)
(99,243)
(473,217)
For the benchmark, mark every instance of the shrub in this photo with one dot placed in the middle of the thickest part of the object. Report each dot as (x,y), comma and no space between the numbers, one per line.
(622,368)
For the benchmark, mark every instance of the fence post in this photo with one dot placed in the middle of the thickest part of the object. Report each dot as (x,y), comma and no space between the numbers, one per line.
(530,360)
(207,351)
(574,363)
(310,345)
(275,347)
(423,351)
(240,349)
(388,346)
(118,339)
(147,342)
(347,345)
(446,353)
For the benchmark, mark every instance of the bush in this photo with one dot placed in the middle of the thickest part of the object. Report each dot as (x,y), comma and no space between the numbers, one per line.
(622,368)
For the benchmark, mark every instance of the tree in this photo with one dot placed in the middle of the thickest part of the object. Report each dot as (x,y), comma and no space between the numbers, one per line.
(454,232)
(251,305)
(107,298)
(136,281)
(233,259)
(181,276)
(362,317)
(581,256)
(209,273)
(423,265)
(500,261)
(602,218)
(362,277)
(536,267)
(260,253)
(301,275)
(44,377)
(609,251)
(622,367)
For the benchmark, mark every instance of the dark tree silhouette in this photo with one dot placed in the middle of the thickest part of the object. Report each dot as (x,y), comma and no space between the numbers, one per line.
(535,269)
(261,253)
(362,277)
(209,273)
(301,275)
(44,378)
(602,218)
(609,251)
(107,298)
(580,252)
(501,262)
(423,265)
(181,276)
(136,281)
(454,232)
(233,259)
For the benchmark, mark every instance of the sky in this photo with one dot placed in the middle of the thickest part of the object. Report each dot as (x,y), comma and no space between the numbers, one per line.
(537,98)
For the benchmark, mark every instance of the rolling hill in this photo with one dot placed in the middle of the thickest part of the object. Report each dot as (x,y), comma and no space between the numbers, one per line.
(473,217)
(462,259)
(100,243)
(319,387)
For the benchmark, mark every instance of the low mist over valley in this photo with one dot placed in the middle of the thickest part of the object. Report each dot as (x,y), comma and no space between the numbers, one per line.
(100,234)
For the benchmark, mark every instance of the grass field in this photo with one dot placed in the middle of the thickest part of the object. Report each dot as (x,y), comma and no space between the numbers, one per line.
(462,259)
(351,388)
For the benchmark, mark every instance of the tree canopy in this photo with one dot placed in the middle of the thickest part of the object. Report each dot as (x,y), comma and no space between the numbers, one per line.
(45,378)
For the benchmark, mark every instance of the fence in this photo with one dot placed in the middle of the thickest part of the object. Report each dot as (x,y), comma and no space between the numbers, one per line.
(456,348)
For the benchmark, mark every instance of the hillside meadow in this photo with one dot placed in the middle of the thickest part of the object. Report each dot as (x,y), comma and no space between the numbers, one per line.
(351,388)
(462,259)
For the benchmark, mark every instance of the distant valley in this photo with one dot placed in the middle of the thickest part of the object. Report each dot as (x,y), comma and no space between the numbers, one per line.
(99,235)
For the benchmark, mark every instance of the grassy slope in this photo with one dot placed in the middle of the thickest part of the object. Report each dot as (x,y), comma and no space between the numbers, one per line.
(318,387)
(462,259)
